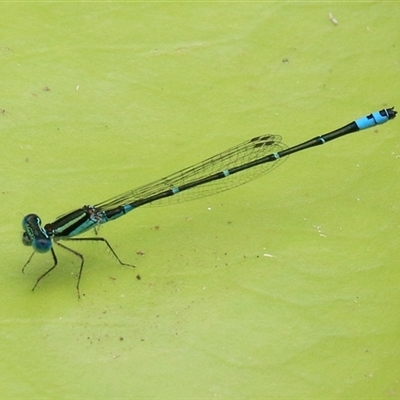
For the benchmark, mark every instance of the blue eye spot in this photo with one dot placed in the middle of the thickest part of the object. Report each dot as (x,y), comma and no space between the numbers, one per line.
(42,245)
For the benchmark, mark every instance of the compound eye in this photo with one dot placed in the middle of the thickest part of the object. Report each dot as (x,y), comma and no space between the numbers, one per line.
(34,234)
(26,240)
(29,220)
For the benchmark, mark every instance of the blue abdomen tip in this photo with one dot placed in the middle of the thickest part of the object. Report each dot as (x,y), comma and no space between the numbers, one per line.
(375,118)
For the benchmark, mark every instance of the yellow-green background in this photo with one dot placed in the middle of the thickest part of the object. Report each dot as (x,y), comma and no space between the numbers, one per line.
(285,288)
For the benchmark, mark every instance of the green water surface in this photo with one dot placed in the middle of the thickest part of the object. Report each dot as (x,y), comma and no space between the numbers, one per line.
(285,288)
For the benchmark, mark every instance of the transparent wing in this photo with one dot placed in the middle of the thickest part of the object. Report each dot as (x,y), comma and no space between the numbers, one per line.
(241,155)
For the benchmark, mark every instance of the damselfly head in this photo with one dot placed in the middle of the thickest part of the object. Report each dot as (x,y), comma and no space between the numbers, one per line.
(34,234)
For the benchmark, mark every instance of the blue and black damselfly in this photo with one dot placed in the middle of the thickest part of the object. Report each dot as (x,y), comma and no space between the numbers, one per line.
(224,171)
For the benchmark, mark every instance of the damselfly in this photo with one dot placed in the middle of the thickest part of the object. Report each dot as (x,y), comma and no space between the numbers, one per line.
(221,172)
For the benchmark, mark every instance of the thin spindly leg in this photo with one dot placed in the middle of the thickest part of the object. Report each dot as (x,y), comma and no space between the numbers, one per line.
(82,259)
(100,239)
(80,268)
(78,255)
(49,270)
(29,260)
